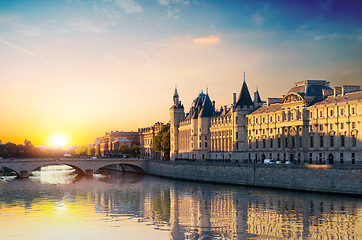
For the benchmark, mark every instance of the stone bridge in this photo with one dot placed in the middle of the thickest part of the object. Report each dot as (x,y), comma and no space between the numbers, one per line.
(24,167)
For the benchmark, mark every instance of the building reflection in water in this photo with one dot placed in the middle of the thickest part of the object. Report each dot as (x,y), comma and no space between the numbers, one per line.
(191,210)
(200,213)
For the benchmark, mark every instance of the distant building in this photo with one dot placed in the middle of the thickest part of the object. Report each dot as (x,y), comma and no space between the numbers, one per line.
(312,123)
(98,141)
(112,141)
(147,136)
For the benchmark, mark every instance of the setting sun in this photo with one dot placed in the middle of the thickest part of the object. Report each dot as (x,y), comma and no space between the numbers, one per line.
(59,140)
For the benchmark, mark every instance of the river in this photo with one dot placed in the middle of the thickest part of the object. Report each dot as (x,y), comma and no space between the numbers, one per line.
(56,203)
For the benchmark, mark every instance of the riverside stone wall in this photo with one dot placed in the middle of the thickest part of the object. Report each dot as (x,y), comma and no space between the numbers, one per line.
(319,178)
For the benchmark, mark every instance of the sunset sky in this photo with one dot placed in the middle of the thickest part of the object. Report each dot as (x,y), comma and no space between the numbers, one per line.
(84,67)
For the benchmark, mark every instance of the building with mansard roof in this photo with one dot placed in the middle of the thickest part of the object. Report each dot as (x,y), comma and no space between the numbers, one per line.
(312,123)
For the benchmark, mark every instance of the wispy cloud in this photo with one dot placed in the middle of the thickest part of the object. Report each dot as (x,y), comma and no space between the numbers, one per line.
(168,2)
(32,54)
(172,8)
(128,6)
(171,14)
(335,36)
(212,39)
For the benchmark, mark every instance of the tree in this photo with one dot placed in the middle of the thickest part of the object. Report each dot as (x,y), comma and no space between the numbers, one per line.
(125,149)
(135,149)
(3,152)
(161,143)
(81,151)
(91,151)
(29,149)
(12,149)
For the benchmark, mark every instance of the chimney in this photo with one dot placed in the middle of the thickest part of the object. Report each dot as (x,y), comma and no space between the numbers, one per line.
(337,90)
(225,107)
(213,104)
(234,99)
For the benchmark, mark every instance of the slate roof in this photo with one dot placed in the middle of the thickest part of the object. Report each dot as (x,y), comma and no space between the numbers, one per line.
(267,109)
(244,98)
(352,96)
(207,108)
(201,107)
(257,99)
(311,88)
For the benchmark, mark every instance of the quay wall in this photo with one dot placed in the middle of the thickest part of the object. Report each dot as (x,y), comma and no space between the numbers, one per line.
(317,178)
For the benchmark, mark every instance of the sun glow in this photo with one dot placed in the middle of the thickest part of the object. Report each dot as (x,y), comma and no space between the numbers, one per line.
(59,140)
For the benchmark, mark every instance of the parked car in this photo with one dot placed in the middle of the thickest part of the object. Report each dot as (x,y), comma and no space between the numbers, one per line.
(269,161)
(278,162)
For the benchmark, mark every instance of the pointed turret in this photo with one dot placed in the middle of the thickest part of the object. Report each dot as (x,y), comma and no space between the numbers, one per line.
(176,100)
(257,100)
(207,107)
(177,115)
(244,98)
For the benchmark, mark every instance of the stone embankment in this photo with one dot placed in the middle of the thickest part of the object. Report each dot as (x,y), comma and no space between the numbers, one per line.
(318,178)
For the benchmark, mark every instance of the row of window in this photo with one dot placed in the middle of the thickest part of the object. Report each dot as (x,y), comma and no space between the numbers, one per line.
(263,143)
(342,125)
(221,120)
(292,142)
(331,112)
(223,133)
(332,141)
(319,157)
(312,128)
(291,116)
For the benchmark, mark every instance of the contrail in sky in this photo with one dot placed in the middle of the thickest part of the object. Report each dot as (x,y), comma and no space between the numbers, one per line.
(32,54)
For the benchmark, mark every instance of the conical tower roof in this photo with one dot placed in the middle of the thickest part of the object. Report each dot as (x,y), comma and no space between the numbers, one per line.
(244,98)
(207,108)
(257,98)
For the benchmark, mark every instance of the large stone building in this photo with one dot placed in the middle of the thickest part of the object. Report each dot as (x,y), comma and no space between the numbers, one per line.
(312,123)
(147,137)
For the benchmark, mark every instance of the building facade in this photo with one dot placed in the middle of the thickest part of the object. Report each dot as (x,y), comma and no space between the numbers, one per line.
(111,141)
(207,133)
(147,136)
(312,123)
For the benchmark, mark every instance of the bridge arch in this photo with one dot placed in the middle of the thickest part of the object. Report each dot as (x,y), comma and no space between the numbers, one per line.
(9,169)
(77,169)
(123,167)
(23,167)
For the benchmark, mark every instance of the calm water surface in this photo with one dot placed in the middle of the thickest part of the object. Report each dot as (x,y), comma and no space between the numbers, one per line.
(55,203)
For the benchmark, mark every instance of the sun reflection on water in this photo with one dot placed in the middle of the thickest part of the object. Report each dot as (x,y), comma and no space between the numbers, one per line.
(54,174)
